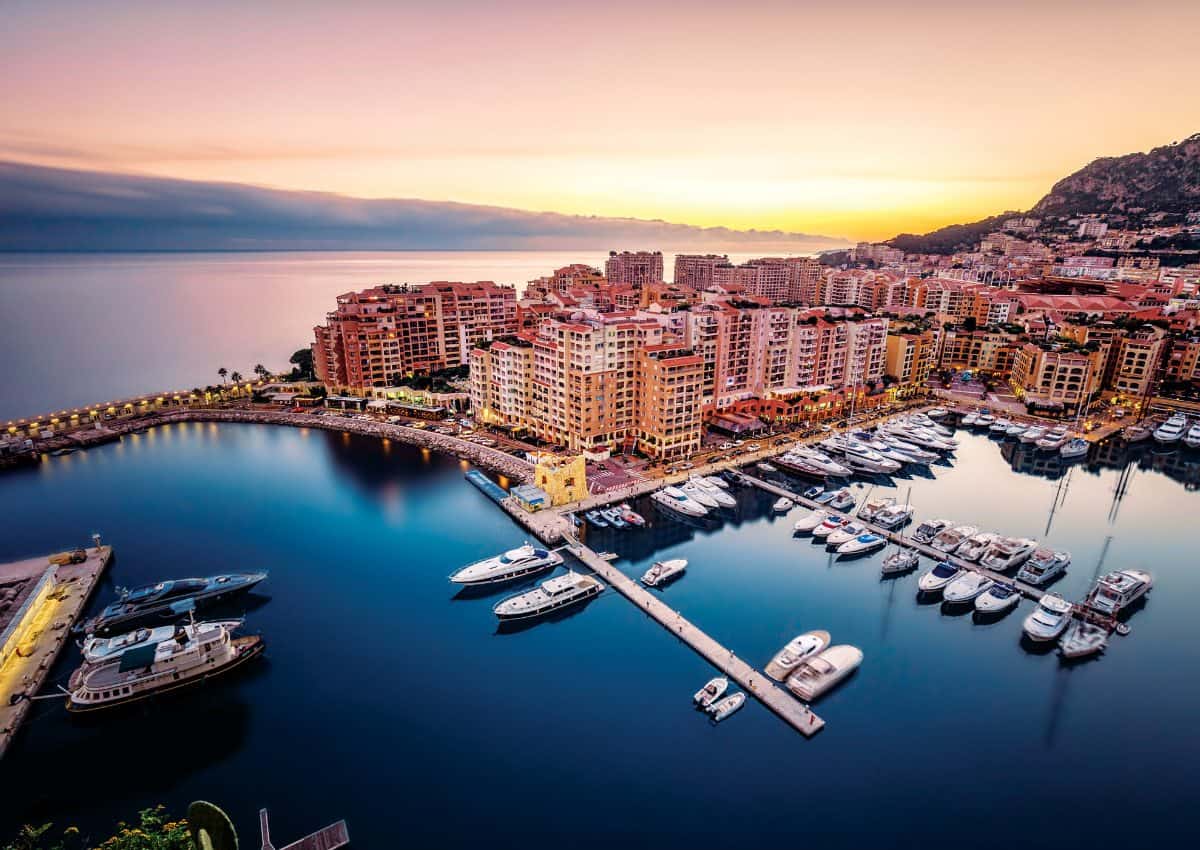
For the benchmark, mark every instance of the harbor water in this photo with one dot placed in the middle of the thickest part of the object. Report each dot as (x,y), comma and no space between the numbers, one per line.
(388,699)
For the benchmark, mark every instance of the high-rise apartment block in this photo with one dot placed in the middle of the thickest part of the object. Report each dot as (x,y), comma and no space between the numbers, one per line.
(634,268)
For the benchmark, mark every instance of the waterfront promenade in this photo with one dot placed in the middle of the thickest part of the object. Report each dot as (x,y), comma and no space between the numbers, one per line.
(44,629)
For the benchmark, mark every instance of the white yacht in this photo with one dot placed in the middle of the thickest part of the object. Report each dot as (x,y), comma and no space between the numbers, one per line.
(1076,447)
(984,420)
(821,461)
(858,457)
(967,588)
(1053,441)
(871,509)
(973,547)
(842,500)
(97,650)
(718,495)
(999,427)
(782,505)
(711,692)
(522,561)
(763,466)
(699,494)
(726,706)
(1043,565)
(861,544)
(806,524)
(1033,434)
(846,532)
(674,499)
(664,571)
(715,481)
(930,529)
(998,598)
(818,674)
(952,538)
(553,594)
(830,525)
(918,454)
(185,659)
(894,516)
(969,419)
(1016,429)
(938,577)
(1119,590)
(1008,552)
(796,650)
(1082,639)
(1171,430)
(1049,620)
(900,561)
(1192,438)
(937,413)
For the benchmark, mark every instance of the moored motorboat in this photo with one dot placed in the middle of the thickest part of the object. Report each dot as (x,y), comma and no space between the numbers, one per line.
(168,601)
(817,674)
(807,523)
(1054,439)
(1135,433)
(844,533)
(631,516)
(929,529)
(1172,430)
(1082,639)
(553,594)
(829,525)
(1076,447)
(763,466)
(664,571)
(1032,434)
(951,538)
(813,492)
(862,544)
(1118,590)
(937,413)
(699,494)
(595,519)
(998,598)
(871,508)
(900,561)
(968,419)
(973,547)
(674,499)
(842,500)
(515,563)
(967,587)
(717,494)
(1043,565)
(782,505)
(1049,619)
(97,650)
(711,692)
(894,516)
(614,518)
(1016,429)
(1007,552)
(797,649)
(726,706)
(937,578)
(819,460)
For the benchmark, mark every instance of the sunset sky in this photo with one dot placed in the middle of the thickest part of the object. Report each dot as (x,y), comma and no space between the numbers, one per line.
(855,119)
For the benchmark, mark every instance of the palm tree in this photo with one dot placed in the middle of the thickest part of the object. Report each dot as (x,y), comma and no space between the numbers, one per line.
(261,371)
(236,377)
(222,372)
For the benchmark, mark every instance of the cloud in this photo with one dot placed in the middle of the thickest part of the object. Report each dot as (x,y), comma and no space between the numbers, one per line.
(54,209)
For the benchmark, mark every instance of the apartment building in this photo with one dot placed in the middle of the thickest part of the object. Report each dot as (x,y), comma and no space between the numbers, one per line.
(1137,359)
(669,413)
(377,336)
(1055,375)
(698,270)
(978,350)
(775,279)
(634,268)
(911,356)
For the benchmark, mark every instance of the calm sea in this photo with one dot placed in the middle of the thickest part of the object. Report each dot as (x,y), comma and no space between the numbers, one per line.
(386,699)
(79,329)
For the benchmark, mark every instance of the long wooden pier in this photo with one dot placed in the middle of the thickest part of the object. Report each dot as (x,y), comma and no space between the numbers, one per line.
(897,537)
(756,683)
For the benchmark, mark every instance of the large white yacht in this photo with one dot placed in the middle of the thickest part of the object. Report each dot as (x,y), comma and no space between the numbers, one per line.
(810,462)
(973,547)
(1043,565)
(185,659)
(1119,590)
(700,494)
(1171,430)
(717,494)
(918,454)
(664,571)
(1192,438)
(818,674)
(950,539)
(1008,552)
(858,457)
(1049,620)
(796,650)
(553,594)
(522,561)
(97,650)
(894,516)
(674,499)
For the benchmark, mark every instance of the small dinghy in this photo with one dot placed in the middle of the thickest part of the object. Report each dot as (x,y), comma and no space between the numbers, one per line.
(806,524)
(797,649)
(901,561)
(997,599)
(1082,639)
(711,692)
(722,708)
(966,588)
(783,505)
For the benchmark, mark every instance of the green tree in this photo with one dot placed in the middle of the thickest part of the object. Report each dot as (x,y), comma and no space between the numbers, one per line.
(302,360)
(222,372)
(261,371)
(236,377)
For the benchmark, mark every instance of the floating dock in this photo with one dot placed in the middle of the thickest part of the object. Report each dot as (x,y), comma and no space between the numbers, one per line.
(489,487)
(44,599)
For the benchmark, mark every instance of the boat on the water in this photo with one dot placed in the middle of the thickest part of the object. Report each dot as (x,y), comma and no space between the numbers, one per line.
(674,499)
(796,650)
(894,516)
(967,587)
(595,519)
(664,571)
(973,547)
(553,594)
(872,508)
(1054,439)
(700,494)
(726,706)
(1033,434)
(998,598)
(763,466)
(717,494)
(1082,639)
(97,650)
(613,515)
(1118,590)
(515,563)
(1043,565)
(187,658)
(846,532)
(807,523)
(631,516)
(1049,619)
(168,601)
(829,525)
(951,538)
(1008,552)
(817,674)
(900,561)
(937,578)
(711,692)
(1172,430)
(929,529)
(862,544)
(782,505)
(1074,448)
(1135,433)
(842,500)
